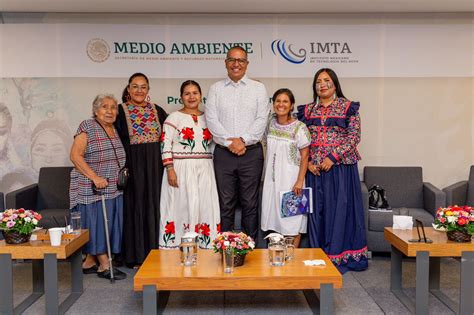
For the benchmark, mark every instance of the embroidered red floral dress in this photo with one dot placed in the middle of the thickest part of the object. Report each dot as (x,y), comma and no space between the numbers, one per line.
(337,222)
(194,205)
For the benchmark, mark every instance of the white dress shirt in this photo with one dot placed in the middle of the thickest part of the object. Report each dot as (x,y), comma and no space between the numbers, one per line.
(236,110)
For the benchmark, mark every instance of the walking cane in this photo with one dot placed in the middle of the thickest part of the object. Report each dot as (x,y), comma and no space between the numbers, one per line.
(106,226)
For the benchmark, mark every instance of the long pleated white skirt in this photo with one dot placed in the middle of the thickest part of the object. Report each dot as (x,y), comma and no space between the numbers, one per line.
(193,206)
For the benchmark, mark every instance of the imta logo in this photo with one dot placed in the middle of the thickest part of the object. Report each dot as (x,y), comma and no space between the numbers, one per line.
(314,52)
(288,52)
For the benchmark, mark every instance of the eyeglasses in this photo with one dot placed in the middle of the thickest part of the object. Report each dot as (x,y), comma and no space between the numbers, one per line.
(138,87)
(241,62)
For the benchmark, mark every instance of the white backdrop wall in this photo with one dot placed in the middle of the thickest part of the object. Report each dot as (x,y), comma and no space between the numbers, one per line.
(413,75)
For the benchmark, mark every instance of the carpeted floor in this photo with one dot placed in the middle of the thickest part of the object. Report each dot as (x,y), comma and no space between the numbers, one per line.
(365,293)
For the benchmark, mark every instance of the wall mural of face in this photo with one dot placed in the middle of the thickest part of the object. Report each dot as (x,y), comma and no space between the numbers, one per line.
(50,145)
(48,150)
(5,129)
(4,135)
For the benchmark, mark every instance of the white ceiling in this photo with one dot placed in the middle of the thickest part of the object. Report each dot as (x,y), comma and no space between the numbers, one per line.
(236,6)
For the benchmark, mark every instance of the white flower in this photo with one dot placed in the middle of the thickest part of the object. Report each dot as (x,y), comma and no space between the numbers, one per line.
(252,245)
(27,219)
(34,221)
(452,219)
(226,243)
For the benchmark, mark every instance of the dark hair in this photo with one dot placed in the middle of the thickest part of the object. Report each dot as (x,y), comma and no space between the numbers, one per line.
(186,83)
(125,94)
(288,93)
(138,74)
(237,48)
(334,79)
(284,91)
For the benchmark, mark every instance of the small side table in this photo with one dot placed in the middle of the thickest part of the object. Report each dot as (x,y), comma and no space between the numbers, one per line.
(45,271)
(428,257)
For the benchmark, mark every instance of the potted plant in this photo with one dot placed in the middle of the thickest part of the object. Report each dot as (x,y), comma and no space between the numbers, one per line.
(18,224)
(239,243)
(457,221)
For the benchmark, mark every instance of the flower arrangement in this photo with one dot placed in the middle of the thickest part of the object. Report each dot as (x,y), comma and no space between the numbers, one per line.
(456,218)
(240,243)
(20,221)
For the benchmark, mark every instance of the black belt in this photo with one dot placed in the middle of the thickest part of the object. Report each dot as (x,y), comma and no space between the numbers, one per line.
(246,147)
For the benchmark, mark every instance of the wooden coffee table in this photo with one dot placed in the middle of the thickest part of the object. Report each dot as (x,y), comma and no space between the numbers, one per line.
(428,257)
(162,271)
(45,271)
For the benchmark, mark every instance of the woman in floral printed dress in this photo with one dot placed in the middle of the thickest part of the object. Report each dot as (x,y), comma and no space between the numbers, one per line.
(337,222)
(189,200)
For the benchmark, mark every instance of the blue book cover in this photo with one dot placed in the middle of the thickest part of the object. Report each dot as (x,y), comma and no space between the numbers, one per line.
(292,204)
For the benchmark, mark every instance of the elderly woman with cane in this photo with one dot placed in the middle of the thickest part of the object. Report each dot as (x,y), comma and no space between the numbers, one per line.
(98,155)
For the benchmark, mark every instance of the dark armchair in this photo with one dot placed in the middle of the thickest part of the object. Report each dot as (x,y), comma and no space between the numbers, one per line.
(461,193)
(49,197)
(406,193)
(2,208)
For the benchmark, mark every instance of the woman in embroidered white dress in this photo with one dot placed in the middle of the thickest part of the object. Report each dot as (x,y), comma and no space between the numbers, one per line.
(189,200)
(286,163)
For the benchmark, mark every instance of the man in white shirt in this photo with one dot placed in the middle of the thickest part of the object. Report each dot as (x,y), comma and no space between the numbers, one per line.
(236,113)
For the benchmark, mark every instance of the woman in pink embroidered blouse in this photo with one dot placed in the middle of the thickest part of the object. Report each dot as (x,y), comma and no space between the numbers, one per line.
(337,222)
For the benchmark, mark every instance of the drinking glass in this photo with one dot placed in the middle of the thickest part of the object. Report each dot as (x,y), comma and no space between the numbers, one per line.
(75,222)
(228,261)
(290,247)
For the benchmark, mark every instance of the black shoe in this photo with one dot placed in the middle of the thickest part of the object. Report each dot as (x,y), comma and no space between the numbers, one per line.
(118,260)
(90,270)
(118,275)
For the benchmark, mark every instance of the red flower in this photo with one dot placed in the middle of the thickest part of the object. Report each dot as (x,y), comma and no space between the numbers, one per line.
(206,134)
(196,228)
(169,227)
(205,230)
(162,137)
(218,228)
(21,210)
(462,221)
(188,133)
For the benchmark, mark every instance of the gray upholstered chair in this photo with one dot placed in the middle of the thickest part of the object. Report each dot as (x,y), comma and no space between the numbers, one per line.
(49,197)
(406,193)
(461,193)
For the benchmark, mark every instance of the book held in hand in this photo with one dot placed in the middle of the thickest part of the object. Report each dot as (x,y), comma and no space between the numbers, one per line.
(292,204)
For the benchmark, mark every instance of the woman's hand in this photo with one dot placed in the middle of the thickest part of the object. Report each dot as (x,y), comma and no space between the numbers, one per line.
(313,168)
(298,187)
(172,178)
(327,164)
(100,182)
